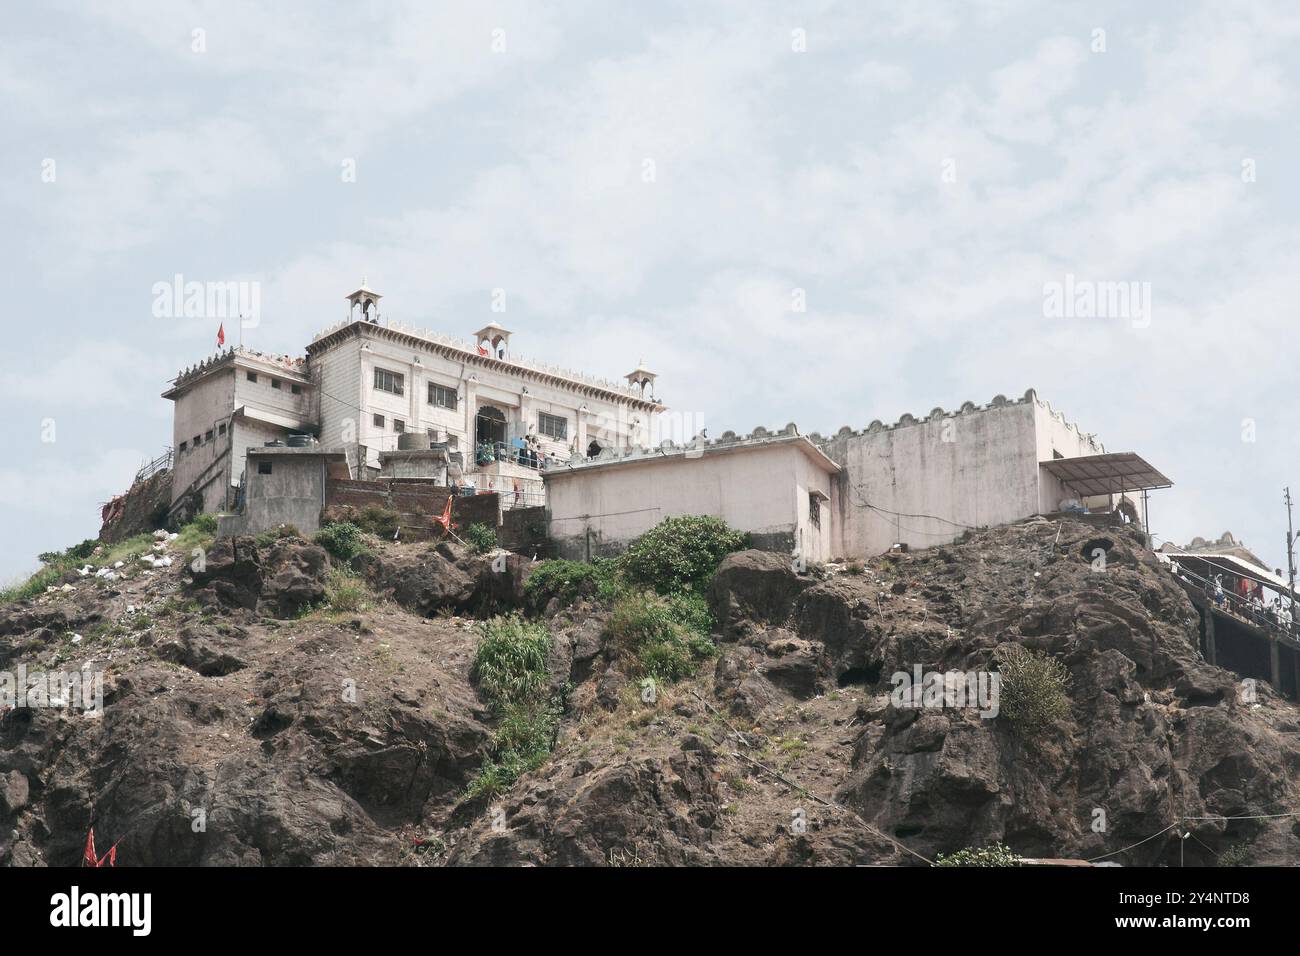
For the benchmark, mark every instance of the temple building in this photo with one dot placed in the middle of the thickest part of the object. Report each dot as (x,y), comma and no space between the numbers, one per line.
(380,391)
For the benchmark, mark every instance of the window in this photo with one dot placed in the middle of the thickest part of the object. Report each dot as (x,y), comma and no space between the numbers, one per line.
(275,383)
(207,436)
(221,429)
(814,509)
(399,425)
(296,389)
(184,445)
(252,376)
(197,443)
(379,421)
(553,426)
(442,396)
(263,467)
(387,381)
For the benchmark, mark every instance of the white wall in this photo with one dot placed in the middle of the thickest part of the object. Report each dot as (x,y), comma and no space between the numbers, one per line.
(978,467)
(345,372)
(762,490)
(204,407)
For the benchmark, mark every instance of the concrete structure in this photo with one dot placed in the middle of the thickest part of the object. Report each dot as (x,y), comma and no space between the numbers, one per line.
(364,386)
(376,382)
(235,400)
(923,482)
(285,486)
(919,482)
(775,485)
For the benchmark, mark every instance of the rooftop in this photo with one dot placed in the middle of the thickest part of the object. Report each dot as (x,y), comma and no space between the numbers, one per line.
(467,351)
(291,368)
(729,442)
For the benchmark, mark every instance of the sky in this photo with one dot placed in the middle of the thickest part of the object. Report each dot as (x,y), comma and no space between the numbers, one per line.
(824,213)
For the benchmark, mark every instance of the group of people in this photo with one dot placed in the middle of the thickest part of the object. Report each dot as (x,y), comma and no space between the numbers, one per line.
(1275,612)
(526,452)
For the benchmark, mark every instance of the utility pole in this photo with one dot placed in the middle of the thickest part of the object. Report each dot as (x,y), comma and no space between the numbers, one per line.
(1290,547)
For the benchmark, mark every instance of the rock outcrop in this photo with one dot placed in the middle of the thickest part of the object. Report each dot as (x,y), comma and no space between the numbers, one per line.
(244,722)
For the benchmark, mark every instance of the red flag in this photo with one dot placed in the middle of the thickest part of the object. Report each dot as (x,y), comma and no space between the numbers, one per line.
(88,857)
(483,351)
(445,518)
(221,334)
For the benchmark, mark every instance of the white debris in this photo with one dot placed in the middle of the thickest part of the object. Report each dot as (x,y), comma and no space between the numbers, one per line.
(160,534)
(66,588)
(119,564)
(76,638)
(86,570)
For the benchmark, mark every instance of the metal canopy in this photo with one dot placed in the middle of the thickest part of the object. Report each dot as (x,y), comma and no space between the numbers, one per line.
(1230,563)
(1108,474)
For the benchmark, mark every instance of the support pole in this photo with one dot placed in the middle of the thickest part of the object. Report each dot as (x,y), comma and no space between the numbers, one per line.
(1275,665)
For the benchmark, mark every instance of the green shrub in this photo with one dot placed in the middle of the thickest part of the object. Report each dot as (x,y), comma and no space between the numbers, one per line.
(650,630)
(994,854)
(1032,689)
(380,521)
(204,524)
(510,663)
(343,540)
(345,593)
(480,538)
(680,553)
(510,670)
(565,581)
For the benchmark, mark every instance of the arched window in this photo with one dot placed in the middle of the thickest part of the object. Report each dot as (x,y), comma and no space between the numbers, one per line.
(593,450)
(490,425)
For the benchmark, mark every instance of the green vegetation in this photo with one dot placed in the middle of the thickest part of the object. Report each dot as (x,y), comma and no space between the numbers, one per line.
(343,540)
(271,535)
(1236,855)
(568,581)
(198,533)
(681,553)
(995,854)
(510,671)
(345,593)
(1032,692)
(372,519)
(480,538)
(664,638)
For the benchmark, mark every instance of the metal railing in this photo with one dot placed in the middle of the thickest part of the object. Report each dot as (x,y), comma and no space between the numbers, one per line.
(149,469)
(1236,605)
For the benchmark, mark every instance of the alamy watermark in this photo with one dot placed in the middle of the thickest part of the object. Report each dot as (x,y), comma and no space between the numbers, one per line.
(181,299)
(81,690)
(938,690)
(1085,299)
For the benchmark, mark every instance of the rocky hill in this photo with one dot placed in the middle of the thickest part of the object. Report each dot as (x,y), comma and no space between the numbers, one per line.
(262,709)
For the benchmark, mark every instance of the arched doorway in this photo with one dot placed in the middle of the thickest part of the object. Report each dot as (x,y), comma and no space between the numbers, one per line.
(489,425)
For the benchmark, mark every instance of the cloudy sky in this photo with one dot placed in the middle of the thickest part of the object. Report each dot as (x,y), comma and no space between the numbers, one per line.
(669,182)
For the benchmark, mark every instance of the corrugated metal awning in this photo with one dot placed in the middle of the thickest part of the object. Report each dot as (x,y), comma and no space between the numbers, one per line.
(1232,563)
(1107,474)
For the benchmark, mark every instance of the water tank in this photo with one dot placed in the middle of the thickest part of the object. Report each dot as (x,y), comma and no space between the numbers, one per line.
(412,441)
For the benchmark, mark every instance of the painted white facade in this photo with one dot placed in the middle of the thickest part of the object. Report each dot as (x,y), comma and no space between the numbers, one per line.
(766,484)
(235,400)
(240,399)
(364,415)
(923,482)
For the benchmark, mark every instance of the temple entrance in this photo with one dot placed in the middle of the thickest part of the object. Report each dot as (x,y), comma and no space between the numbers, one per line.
(489,426)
